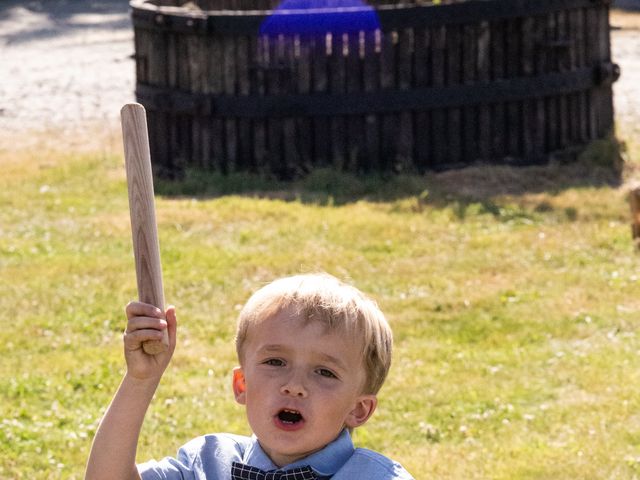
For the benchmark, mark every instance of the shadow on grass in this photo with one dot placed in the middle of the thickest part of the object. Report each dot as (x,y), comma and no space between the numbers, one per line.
(600,164)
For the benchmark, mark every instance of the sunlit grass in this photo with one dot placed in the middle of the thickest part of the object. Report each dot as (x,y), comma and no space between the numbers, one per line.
(513,295)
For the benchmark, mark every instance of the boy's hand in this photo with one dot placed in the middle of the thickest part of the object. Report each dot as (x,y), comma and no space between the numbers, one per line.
(146,322)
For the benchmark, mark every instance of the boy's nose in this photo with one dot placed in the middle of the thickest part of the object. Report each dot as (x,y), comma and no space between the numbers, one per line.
(294,388)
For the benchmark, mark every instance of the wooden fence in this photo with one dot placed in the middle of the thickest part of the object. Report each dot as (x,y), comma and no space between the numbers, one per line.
(434,87)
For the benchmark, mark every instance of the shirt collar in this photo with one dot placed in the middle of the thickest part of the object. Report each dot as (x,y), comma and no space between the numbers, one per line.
(325,462)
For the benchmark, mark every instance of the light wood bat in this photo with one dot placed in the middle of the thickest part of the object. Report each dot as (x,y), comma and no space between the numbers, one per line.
(144,230)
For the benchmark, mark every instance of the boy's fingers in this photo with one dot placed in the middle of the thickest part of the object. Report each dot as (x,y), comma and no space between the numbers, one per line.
(140,323)
(134,340)
(139,309)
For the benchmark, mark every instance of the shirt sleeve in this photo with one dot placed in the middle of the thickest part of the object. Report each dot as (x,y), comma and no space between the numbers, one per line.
(169,468)
(208,457)
(179,468)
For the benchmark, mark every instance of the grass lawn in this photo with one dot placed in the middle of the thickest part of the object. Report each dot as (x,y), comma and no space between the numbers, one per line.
(514,296)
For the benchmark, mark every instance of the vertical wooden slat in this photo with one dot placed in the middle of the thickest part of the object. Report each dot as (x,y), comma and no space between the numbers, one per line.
(215,60)
(592,60)
(355,123)
(539,138)
(602,56)
(144,59)
(583,98)
(498,129)
(563,67)
(513,130)
(564,37)
(484,75)
(438,116)
(179,73)
(184,121)
(469,113)
(291,167)
(274,124)
(337,75)
(172,124)
(607,113)
(371,76)
(422,60)
(574,99)
(405,48)
(291,157)
(205,129)
(183,61)
(528,106)
(321,129)
(597,92)
(245,152)
(600,91)
(156,119)
(388,127)
(453,77)
(404,146)
(142,49)
(229,88)
(304,137)
(197,74)
(187,122)
(551,104)
(163,64)
(260,50)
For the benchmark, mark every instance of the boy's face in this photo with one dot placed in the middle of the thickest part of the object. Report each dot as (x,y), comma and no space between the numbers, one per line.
(301,385)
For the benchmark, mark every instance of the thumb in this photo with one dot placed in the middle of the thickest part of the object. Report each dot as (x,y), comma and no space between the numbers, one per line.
(172,325)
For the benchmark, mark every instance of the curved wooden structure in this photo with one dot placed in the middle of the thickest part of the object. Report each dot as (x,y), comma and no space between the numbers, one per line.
(435,87)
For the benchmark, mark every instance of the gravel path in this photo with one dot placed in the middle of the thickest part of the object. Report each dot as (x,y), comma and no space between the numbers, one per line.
(66,69)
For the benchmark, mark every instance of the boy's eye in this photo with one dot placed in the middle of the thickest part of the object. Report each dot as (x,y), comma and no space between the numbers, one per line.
(274,362)
(326,373)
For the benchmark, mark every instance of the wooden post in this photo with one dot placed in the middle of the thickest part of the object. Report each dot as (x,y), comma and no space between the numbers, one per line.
(634,203)
(143,214)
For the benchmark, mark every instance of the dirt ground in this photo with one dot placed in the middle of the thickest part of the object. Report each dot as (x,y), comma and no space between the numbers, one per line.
(67,68)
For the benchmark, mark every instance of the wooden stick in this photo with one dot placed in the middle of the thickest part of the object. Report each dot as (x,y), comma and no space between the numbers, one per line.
(144,231)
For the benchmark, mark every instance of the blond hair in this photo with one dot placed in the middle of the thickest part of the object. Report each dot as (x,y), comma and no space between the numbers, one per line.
(340,307)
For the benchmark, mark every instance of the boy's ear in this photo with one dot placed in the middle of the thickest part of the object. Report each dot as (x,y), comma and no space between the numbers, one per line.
(239,386)
(365,406)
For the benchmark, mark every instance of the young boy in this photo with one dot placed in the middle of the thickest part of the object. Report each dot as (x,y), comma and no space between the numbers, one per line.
(313,354)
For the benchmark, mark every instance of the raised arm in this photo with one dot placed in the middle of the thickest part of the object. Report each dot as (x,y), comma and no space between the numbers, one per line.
(113,453)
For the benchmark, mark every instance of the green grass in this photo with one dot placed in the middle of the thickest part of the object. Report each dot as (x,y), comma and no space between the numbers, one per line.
(514,295)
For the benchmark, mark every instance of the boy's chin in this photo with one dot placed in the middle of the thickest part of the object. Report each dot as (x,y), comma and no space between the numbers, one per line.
(289,447)
(284,453)
(281,457)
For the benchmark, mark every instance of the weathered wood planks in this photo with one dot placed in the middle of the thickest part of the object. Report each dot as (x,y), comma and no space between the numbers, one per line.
(332,67)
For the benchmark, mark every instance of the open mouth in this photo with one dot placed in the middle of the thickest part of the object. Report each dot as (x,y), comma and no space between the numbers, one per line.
(290,417)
